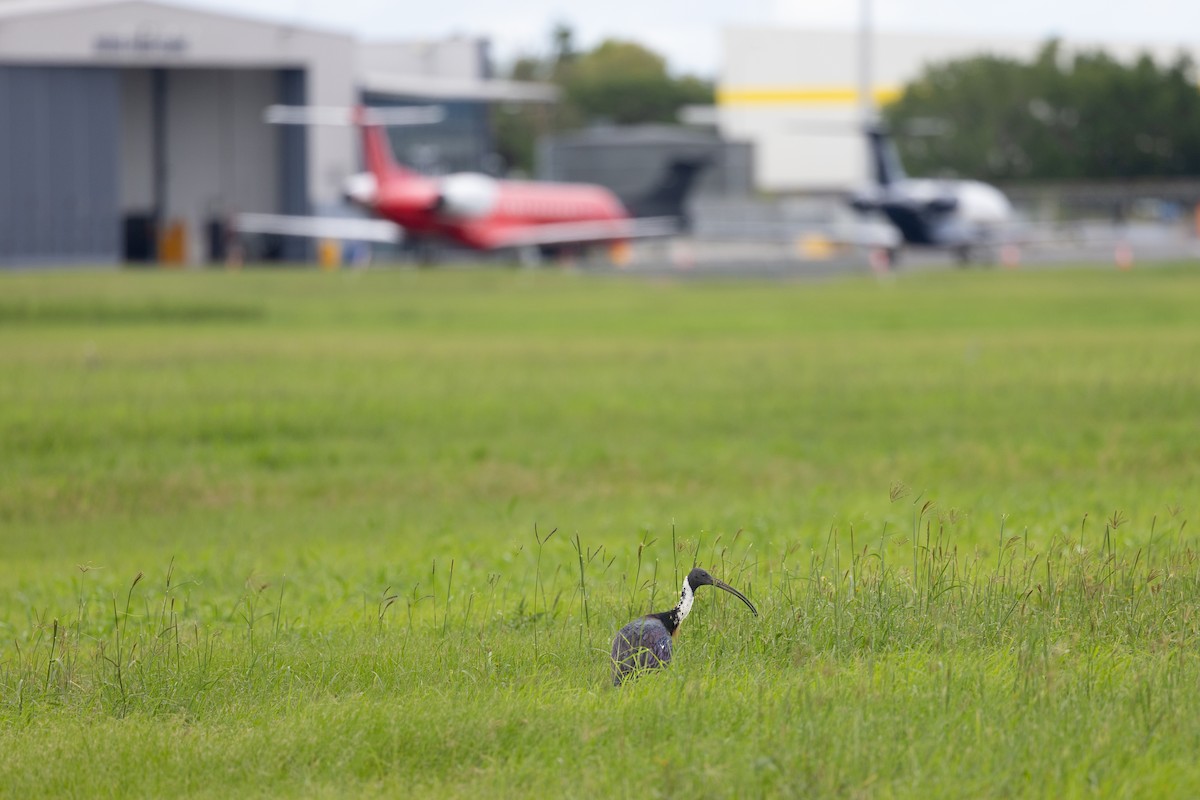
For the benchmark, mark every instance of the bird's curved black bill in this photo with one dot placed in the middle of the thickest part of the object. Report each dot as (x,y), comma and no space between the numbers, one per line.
(736,593)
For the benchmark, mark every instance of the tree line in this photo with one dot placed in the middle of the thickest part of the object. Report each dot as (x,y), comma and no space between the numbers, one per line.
(618,82)
(1059,116)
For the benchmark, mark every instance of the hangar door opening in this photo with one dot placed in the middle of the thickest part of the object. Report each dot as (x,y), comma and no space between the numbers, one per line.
(58,165)
(194,150)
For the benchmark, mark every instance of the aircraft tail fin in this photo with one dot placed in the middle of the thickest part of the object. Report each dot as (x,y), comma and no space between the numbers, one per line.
(886,168)
(377,153)
(668,197)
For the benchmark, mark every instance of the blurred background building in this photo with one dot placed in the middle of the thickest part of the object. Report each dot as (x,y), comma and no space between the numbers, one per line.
(775,82)
(632,159)
(455,73)
(130,128)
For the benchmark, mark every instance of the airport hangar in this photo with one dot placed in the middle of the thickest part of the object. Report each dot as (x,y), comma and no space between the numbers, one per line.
(775,82)
(129,129)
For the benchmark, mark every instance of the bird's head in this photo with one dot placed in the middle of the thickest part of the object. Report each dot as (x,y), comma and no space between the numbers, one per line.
(700,577)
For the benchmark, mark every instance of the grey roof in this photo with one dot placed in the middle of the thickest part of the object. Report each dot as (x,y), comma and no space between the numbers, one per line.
(31,8)
(375,80)
(457,88)
(637,135)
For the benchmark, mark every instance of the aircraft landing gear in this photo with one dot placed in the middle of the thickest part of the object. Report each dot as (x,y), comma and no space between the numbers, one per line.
(883,259)
(423,251)
(529,255)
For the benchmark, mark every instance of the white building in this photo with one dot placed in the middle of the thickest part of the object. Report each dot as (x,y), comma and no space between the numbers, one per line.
(123,120)
(778,85)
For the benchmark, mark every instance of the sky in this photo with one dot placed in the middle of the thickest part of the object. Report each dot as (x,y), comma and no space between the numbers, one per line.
(687,32)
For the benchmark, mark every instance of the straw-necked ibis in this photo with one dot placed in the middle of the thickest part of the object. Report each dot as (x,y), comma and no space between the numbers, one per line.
(645,643)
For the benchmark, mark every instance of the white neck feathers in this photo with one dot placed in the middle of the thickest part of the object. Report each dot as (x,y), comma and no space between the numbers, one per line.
(686,598)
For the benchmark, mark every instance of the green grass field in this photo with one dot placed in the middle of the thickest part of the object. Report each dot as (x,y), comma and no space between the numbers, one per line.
(282,533)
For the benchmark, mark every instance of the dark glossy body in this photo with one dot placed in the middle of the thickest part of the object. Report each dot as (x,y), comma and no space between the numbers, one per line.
(644,643)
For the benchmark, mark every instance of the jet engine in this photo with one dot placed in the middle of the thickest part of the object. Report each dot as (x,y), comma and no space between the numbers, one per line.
(466,195)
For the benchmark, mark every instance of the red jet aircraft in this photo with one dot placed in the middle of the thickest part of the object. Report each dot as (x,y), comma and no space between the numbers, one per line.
(473,209)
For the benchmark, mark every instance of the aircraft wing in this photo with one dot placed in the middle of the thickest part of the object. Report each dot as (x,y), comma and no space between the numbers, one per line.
(570,232)
(369,230)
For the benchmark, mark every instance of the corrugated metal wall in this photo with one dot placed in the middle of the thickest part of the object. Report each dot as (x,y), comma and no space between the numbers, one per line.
(631,160)
(59,154)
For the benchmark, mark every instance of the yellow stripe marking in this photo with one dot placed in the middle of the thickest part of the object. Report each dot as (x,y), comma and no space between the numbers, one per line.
(800,95)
